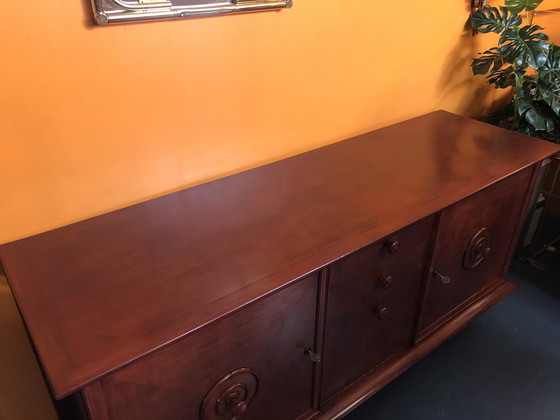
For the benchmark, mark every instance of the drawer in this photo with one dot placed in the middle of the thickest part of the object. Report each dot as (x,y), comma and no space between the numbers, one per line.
(371,305)
(473,241)
(253,363)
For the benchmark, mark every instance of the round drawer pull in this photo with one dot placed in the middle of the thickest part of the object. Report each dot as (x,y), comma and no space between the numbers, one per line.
(381,311)
(231,396)
(385,281)
(392,246)
(236,405)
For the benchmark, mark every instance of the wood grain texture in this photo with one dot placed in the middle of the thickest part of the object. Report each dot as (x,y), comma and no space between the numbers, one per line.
(101,293)
(374,381)
(495,211)
(357,337)
(268,338)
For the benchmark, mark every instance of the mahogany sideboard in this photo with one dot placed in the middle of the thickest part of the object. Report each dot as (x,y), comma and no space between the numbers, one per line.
(295,290)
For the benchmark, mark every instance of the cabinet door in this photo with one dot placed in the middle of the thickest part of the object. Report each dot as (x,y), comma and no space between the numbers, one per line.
(251,364)
(371,305)
(473,241)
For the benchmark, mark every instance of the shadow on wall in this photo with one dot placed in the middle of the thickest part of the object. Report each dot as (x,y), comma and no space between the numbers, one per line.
(89,21)
(481,99)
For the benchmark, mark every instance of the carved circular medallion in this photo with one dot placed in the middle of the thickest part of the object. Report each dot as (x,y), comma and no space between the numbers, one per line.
(478,248)
(231,396)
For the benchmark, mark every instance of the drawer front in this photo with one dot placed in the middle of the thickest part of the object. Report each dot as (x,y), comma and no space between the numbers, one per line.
(371,305)
(252,363)
(473,241)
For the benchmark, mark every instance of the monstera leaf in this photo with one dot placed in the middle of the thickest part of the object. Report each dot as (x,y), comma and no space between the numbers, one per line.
(524,47)
(549,73)
(523,61)
(553,62)
(549,80)
(537,116)
(552,99)
(517,6)
(504,78)
(490,61)
(490,19)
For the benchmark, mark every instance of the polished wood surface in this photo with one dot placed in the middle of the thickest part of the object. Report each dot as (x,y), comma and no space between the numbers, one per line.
(101,293)
(261,349)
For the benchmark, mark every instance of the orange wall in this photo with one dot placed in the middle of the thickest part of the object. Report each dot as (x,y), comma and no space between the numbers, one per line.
(96,118)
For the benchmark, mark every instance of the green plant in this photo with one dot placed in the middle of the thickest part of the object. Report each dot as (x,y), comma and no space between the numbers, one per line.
(526,62)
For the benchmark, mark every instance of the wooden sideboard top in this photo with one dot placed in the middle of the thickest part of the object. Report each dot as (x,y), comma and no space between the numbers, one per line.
(98,294)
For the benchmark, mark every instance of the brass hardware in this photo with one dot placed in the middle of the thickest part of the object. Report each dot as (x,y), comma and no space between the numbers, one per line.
(444,279)
(315,357)
(120,11)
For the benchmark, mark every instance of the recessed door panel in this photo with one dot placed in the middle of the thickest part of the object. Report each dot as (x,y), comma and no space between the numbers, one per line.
(252,365)
(473,241)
